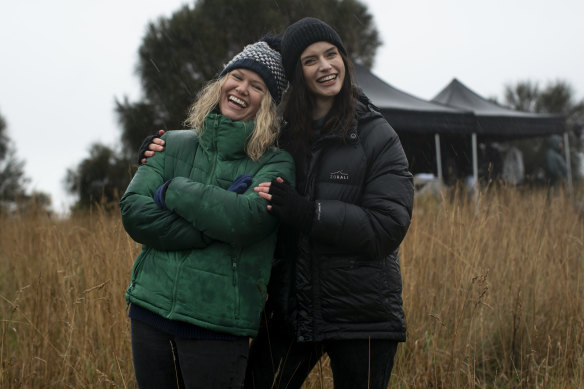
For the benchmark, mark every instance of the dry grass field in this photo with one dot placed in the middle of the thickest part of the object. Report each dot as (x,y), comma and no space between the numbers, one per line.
(493,291)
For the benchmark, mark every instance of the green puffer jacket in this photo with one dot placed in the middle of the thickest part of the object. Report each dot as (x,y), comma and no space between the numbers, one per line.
(206,259)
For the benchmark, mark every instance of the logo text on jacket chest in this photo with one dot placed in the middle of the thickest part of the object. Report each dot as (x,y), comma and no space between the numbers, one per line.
(339,175)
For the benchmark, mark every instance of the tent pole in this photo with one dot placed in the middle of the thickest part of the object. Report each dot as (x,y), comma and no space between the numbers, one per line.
(567,156)
(475,162)
(475,171)
(438,158)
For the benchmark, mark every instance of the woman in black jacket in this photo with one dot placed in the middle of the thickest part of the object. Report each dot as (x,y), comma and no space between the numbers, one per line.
(336,283)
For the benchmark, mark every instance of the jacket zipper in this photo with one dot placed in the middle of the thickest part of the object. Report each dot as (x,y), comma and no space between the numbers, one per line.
(214,164)
(234,263)
(174,287)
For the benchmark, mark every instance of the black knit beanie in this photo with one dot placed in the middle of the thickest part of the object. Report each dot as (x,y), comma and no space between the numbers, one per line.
(264,58)
(300,35)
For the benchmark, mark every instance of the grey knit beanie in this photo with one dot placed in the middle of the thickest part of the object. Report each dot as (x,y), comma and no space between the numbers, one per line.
(264,58)
(300,35)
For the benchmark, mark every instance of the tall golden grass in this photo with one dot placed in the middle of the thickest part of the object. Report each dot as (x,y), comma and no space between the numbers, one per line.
(493,292)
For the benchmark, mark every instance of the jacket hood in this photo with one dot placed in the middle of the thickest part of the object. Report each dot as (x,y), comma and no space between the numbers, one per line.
(555,142)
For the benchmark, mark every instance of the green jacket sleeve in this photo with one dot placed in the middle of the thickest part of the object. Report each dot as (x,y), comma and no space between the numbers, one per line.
(239,220)
(146,222)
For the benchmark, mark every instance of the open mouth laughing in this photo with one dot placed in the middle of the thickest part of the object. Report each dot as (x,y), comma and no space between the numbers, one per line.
(328,78)
(237,101)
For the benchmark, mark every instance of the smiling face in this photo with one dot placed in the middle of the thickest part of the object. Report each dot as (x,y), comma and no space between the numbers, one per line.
(324,70)
(241,95)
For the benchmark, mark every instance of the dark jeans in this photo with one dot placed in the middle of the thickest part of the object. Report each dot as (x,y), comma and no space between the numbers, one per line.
(277,361)
(164,361)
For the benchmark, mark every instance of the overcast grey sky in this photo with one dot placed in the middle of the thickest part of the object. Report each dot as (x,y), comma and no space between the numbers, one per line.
(64,62)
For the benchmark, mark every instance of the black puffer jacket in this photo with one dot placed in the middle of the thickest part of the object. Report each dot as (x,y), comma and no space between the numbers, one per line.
(343,280)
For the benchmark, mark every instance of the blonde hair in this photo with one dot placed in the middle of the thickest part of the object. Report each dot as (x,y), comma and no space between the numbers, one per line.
(266,122)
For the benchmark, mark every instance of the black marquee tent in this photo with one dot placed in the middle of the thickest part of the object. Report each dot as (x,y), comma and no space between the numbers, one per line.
(494,122)
(407,113)
(457,114)
(497,122)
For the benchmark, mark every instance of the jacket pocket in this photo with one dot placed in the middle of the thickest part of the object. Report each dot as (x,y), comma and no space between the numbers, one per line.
(138,264)
(358,291)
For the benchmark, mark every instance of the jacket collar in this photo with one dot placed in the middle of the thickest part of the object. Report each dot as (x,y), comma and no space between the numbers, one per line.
(226,137)
(363,110)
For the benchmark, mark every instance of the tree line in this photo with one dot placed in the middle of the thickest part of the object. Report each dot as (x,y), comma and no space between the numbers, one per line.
(13,180)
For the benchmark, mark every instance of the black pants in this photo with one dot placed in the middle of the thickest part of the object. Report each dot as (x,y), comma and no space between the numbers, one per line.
(163,361)
(277,361)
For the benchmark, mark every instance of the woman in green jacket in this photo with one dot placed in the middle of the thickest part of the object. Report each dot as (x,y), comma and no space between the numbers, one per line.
(198,286)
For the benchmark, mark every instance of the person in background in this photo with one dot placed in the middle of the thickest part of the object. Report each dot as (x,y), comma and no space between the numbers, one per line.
(336,282)
(198,286)
(556,168)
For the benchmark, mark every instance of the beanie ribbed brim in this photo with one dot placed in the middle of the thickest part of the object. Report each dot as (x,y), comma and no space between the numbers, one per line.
(262,59)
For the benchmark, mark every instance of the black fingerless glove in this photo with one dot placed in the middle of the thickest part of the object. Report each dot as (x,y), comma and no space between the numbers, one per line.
(290,207)
(144,147)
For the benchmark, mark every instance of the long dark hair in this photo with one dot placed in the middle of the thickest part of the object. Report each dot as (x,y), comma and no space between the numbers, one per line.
(299,103)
